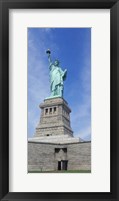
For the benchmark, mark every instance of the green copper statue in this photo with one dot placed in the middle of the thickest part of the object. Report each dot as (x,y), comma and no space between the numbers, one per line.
(57,76)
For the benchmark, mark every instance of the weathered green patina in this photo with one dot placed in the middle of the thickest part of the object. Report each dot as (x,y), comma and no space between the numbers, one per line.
(57,77)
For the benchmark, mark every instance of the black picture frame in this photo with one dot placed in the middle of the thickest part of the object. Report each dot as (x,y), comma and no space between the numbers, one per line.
(5,5)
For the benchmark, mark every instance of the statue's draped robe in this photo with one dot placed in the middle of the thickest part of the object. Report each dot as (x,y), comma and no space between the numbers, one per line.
(56,77)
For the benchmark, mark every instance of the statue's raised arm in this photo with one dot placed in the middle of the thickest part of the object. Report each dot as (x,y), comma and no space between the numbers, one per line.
(49,57)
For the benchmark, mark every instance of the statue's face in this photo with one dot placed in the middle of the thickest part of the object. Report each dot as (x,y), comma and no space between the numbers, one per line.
(56,63)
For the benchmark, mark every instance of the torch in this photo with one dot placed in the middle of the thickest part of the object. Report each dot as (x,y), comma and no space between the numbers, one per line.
(48,52)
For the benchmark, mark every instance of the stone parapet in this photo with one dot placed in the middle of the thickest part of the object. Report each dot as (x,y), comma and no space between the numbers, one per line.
(61,139)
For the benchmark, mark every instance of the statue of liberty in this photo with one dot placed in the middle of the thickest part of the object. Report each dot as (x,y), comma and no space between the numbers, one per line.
(57,77)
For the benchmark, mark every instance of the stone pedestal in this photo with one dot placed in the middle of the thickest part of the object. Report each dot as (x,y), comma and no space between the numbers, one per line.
(55,118)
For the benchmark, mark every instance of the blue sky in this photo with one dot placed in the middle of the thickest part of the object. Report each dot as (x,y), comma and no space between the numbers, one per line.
(72,46)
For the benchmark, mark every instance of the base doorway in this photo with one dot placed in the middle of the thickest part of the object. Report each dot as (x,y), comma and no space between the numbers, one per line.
(62,165)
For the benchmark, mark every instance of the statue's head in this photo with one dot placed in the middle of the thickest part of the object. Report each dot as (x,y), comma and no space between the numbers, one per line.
(56,63)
